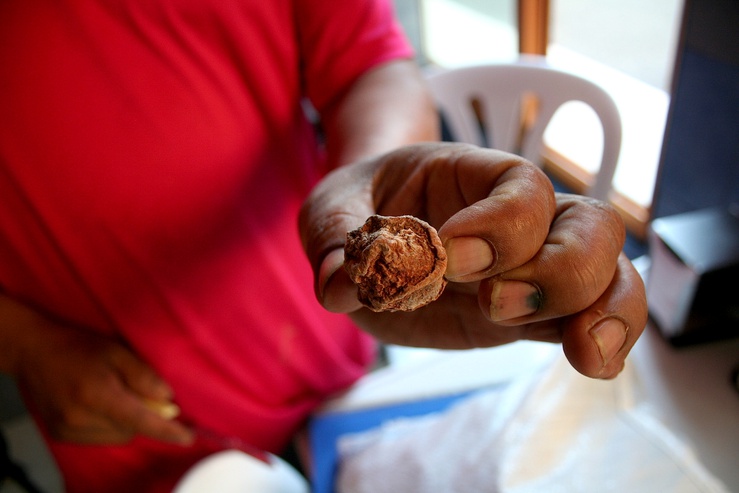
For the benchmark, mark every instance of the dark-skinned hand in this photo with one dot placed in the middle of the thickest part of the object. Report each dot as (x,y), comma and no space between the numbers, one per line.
(523,262)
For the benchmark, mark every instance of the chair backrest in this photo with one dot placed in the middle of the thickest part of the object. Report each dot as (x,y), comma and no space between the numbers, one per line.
(482,105)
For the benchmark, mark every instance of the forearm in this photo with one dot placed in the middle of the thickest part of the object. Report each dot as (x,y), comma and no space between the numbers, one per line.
(386,108)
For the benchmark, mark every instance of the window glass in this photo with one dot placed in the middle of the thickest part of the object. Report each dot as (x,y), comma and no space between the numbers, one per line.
(463,32)
(636,37)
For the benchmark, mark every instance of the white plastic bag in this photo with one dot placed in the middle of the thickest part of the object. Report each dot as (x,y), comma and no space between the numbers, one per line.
(555,431)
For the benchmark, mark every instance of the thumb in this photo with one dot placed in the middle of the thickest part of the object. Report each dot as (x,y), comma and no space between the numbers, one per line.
(338,204)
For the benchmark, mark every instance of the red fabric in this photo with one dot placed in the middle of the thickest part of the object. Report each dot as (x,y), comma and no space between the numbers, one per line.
(153,156)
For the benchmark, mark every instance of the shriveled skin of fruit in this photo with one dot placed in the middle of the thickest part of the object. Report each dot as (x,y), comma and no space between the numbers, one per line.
(398,263)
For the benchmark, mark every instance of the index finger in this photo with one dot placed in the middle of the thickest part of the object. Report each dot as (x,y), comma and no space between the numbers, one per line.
(502,229)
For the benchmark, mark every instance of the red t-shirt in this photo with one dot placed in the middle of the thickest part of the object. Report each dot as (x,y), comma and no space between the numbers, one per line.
(153,156)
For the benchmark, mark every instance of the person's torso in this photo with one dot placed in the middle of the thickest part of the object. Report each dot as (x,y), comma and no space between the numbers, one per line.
(153,156)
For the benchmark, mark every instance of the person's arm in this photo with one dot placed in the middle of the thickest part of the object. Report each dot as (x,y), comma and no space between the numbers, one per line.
(524,263)
(386,108)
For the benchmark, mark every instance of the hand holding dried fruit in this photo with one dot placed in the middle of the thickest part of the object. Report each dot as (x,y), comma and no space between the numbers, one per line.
(521,261)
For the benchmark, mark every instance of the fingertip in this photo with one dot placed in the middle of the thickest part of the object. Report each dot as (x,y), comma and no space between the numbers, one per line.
(330,265)
(164,408)
(609,336)
(174,432)
(160,422)
(184,436)
(597,352)
(335,290)
(511,300)
(611,373)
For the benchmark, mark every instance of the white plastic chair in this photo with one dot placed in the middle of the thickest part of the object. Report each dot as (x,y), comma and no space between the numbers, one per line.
(496,91)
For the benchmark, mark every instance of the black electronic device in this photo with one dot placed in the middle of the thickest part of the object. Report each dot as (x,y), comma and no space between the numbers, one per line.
(699,171)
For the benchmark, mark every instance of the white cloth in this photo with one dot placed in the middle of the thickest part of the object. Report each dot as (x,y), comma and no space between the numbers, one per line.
(554,431)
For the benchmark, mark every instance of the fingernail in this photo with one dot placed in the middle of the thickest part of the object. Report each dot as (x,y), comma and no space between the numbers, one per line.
(331,263)
(335,289)
(513,299)
(609,335)
(167,410)
(467,255)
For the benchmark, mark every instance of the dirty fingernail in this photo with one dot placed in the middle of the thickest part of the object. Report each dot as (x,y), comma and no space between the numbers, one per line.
(609,336)
(513,299)
(466,256)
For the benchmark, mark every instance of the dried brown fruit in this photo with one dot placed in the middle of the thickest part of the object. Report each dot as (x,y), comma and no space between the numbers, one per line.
(397,262)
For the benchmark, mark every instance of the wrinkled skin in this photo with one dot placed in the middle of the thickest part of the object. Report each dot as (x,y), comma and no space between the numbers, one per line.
(499,220)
